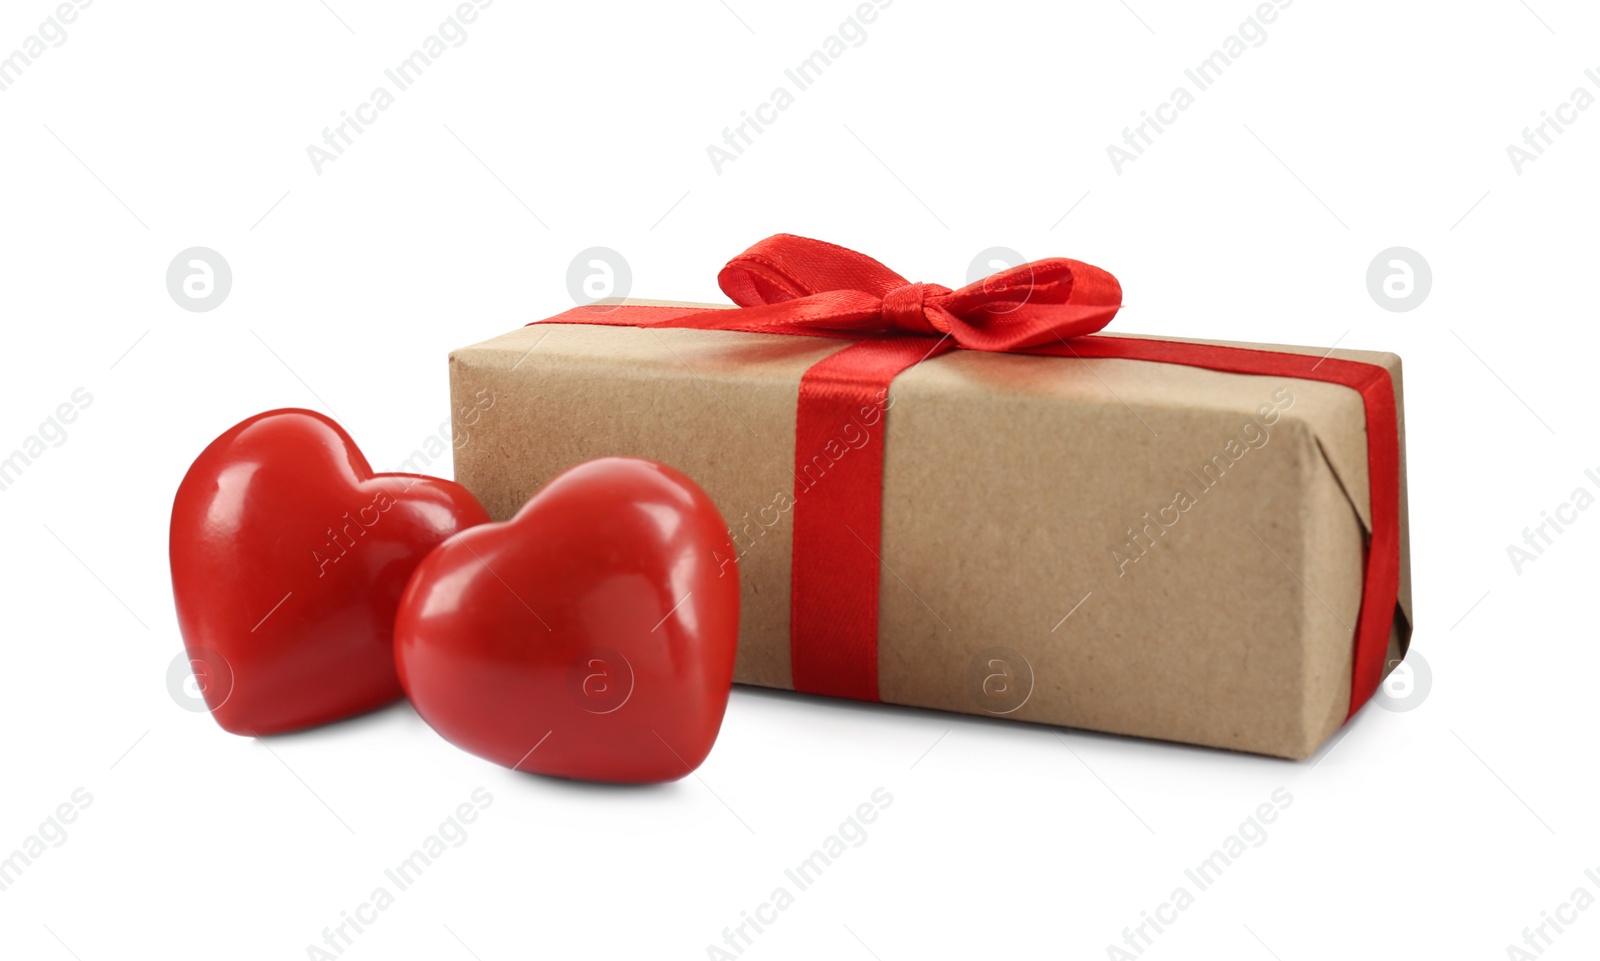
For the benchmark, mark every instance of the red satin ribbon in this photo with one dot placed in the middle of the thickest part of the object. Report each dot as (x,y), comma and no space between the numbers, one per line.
(793,285)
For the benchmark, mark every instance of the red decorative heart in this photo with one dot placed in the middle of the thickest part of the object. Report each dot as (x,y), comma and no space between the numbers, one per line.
(289,556)
(591,636)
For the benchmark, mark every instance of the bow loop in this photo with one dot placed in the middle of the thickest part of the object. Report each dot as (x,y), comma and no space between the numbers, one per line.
(785,267)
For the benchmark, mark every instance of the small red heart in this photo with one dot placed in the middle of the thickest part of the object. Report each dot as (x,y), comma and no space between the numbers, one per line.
(289,556)
(591,636)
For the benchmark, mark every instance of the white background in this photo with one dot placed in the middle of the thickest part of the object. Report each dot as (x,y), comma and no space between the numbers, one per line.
(1438,832)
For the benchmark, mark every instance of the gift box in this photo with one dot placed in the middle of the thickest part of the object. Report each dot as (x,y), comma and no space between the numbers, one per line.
(972,500)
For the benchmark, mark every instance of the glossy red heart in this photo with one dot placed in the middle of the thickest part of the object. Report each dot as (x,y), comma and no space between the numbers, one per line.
(591,636)
(289,556)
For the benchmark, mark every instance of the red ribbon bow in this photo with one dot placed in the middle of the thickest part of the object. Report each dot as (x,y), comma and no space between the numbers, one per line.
(794,285)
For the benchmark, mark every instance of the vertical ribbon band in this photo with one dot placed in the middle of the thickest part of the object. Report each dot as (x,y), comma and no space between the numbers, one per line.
(838,518)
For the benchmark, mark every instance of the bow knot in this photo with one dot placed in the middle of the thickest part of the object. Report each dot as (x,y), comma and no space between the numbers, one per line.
(792,285)
(905,309)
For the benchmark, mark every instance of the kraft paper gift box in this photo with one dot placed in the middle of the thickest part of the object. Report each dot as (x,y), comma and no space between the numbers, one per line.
(1121,545)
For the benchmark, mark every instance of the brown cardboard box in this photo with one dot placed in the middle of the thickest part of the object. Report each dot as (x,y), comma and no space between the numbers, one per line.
(1029,569)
